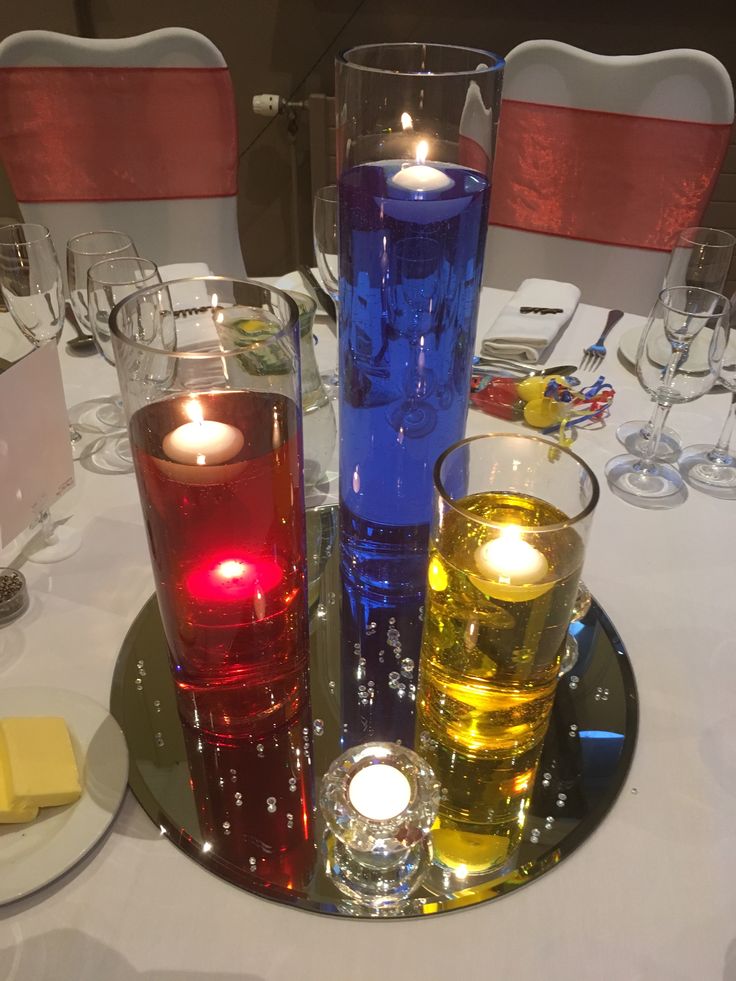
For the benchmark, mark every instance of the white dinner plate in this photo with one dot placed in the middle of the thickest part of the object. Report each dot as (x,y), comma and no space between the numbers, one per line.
(34,854)
(628,347)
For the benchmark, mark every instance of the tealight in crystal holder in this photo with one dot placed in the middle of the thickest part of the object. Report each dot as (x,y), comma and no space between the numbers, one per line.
(379,801)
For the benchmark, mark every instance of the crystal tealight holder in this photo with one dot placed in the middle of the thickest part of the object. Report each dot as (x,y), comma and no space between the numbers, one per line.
(379,801)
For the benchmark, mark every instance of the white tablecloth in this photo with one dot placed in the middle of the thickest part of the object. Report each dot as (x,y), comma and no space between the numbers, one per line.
(651,895)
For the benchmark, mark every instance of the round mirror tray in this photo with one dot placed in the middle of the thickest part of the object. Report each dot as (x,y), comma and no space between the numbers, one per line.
(247,810)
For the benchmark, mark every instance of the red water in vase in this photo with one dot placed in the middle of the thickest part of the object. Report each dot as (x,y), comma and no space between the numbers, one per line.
(219,476)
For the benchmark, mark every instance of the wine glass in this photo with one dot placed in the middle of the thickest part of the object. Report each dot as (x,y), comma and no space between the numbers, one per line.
(30,280)
(674,364)
(701,257)
(82,252)
(325,229)
(712,468)
(108,283)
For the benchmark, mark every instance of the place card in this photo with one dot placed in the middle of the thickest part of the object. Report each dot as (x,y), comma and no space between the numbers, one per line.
(36,464)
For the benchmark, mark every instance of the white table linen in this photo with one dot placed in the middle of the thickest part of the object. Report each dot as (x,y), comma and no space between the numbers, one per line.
(651,895)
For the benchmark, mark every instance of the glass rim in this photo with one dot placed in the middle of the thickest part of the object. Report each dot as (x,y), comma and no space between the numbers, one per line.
(71,243)
(43,231)
(705,314)
(141,260)
(537,529)
(689,236)
(291,327)
(343,57)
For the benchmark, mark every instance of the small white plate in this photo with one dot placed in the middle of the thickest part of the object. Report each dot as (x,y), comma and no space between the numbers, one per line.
(628,347)
(33,855)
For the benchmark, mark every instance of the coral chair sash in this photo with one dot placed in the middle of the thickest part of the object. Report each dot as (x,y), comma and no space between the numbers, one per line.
(576,173)
(118,134)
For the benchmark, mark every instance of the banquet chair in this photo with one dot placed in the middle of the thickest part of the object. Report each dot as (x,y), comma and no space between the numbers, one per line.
(599,162)
(137,134)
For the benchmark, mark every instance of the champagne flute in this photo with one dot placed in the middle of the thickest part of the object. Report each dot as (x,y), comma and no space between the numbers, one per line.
(701,257)
(414,319)
(108,283)
(673,366)
(30,280)
(325,230)
(82,252)
(31,284)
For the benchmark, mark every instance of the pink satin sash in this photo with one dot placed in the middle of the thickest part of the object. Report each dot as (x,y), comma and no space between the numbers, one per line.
(579,173)
(118,134)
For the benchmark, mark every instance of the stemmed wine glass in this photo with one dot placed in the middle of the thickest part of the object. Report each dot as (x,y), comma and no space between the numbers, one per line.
(712,469)
(701,257)
(325,229)
(30,279)
(670,367)
(82,252)
(108,283)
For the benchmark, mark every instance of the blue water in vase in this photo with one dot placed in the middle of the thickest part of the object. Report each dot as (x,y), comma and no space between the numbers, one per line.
(410,270)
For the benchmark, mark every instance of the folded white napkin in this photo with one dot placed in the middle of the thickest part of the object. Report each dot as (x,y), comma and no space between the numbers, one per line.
(183,270)
(527,335)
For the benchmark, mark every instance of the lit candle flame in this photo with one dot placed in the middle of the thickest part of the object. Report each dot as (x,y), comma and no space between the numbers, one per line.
(194,411)
(422,151)
(406,121)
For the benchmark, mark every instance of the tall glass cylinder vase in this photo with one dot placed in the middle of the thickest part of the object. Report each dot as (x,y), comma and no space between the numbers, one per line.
(415,136)
(209,374)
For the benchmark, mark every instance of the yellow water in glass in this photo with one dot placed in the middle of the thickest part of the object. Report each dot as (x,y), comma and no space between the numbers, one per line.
(490,655)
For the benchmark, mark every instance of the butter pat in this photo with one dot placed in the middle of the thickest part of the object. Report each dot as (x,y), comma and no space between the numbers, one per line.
(38,759)
(12,811)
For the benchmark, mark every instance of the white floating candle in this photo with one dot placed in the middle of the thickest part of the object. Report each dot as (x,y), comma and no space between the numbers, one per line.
(202,442)
(421,176)
(510,567)
(379,792)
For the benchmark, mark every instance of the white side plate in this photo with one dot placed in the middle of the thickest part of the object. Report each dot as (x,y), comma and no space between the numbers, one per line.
(34,854)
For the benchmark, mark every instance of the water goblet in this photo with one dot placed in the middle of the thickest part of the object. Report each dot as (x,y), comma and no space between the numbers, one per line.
(701,257)
(326,251)
(668,370)
(82,252)
(108,283)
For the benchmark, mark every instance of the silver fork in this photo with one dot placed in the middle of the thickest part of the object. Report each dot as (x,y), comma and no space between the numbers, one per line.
(593,355)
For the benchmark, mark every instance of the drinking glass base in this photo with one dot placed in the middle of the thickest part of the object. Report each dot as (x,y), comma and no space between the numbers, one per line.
(629,434)
(717,478)
(659,486)
(62,543)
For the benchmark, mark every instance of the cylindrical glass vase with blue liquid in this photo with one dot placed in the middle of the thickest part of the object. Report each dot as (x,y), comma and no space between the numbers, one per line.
(416,128)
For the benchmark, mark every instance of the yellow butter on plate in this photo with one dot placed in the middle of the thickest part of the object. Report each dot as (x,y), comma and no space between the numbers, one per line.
(11,810)
(37,767)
